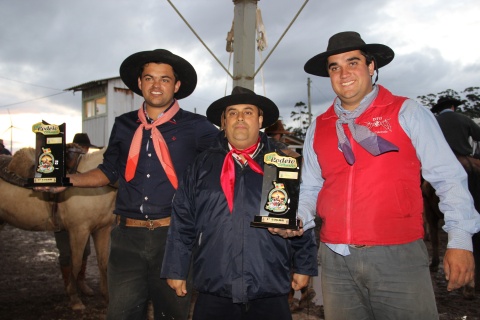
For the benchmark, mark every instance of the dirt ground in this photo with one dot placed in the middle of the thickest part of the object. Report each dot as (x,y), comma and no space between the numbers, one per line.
(31,287)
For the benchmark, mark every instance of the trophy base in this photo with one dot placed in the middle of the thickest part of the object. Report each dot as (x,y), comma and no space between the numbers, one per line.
(274,222)
(48,182)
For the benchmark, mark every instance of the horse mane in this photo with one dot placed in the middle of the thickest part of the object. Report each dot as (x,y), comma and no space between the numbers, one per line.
(90,161)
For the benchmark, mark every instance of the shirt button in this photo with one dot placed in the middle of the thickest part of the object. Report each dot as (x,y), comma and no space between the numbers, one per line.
(149,154)
(146,198)
(148,175)
(150,136)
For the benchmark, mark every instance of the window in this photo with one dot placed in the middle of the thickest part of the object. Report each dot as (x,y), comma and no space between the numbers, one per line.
(96,107)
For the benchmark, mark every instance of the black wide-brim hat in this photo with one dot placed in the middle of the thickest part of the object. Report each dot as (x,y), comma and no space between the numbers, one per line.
(345,42)
(131,66)
(242,95)
(83,140)
(445,102)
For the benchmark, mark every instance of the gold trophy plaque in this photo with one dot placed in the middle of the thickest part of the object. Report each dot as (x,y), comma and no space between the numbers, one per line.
(280,192)
(50,168)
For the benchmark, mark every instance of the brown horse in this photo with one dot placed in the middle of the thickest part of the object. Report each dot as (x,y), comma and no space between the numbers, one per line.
(80,211)
(433,216)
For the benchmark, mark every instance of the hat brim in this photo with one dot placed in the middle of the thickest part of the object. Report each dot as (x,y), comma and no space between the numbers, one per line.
(93,146)
(269,108)
(440,106)
(130,70)
(318,64)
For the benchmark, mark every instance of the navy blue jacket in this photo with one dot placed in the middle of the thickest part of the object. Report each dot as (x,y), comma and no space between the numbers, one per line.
(149,194)
(230,258)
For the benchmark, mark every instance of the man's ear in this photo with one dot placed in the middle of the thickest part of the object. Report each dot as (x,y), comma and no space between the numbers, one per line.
(222,121)
(177,85)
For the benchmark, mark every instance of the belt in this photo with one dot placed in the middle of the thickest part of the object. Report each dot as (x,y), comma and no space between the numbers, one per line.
(149,224)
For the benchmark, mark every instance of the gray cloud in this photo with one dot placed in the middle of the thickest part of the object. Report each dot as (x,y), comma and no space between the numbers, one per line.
(59,44)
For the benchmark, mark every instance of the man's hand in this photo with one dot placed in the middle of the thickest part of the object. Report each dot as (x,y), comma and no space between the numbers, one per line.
(180,286)
(459,267)
(299,281)
(287,233)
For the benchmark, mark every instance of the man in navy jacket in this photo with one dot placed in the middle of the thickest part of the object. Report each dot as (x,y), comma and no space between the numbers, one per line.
(241,272)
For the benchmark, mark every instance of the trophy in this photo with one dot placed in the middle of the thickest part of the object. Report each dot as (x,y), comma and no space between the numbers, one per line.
(50,168)
(280,192)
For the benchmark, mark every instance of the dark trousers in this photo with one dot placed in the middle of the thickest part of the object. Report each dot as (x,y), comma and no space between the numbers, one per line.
(134,265)
(210,307)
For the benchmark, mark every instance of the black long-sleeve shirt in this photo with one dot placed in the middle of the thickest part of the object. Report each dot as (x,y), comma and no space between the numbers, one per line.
(149,194)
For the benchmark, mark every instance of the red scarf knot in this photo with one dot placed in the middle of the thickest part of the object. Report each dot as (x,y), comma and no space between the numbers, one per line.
(159,145)
(227,177)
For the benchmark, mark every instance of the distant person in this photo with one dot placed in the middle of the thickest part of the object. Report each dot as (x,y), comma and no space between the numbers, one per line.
(361,174)
(277,131)
(4,150)
(462,133)
(456,127)
(241,272)
(62,238)
(83,140)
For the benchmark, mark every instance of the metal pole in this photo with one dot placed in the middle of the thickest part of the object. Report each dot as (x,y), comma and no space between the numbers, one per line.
(244,24)
(281,37)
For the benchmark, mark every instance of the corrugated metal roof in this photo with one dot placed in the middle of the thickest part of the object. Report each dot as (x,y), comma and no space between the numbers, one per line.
(90,84)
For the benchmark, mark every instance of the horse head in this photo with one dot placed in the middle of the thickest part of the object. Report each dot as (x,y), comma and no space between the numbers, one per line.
(73,154)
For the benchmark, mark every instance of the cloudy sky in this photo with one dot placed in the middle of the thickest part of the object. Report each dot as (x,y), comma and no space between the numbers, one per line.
(50,45)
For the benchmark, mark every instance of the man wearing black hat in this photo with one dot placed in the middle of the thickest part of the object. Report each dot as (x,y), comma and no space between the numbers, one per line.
(276,131)
(456,127)
(361,174)
(147,153)
(240,272)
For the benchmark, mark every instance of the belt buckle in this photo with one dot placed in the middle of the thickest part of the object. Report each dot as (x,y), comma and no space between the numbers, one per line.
(150,225)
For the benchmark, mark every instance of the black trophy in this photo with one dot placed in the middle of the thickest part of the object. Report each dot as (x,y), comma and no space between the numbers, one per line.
(50,168)
(280,192)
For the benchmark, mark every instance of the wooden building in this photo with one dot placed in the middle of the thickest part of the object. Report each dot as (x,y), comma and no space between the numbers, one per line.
(102,101)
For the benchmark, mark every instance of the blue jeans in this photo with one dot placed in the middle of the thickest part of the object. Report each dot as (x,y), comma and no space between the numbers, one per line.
(379,282)
(134,265)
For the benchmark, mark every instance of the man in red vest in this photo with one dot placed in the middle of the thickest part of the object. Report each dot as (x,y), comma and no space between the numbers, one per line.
(362,163)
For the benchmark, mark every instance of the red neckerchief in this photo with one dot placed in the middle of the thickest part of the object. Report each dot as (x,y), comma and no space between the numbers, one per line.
(159,145)
(227,177)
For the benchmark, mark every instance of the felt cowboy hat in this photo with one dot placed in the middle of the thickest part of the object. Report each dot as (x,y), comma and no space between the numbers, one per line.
(445,102)
(131,66)
(83,140)
(277,128)
(242,95)
(344,42)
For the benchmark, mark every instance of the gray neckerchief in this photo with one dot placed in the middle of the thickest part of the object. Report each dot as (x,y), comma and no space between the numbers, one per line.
(369,140)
